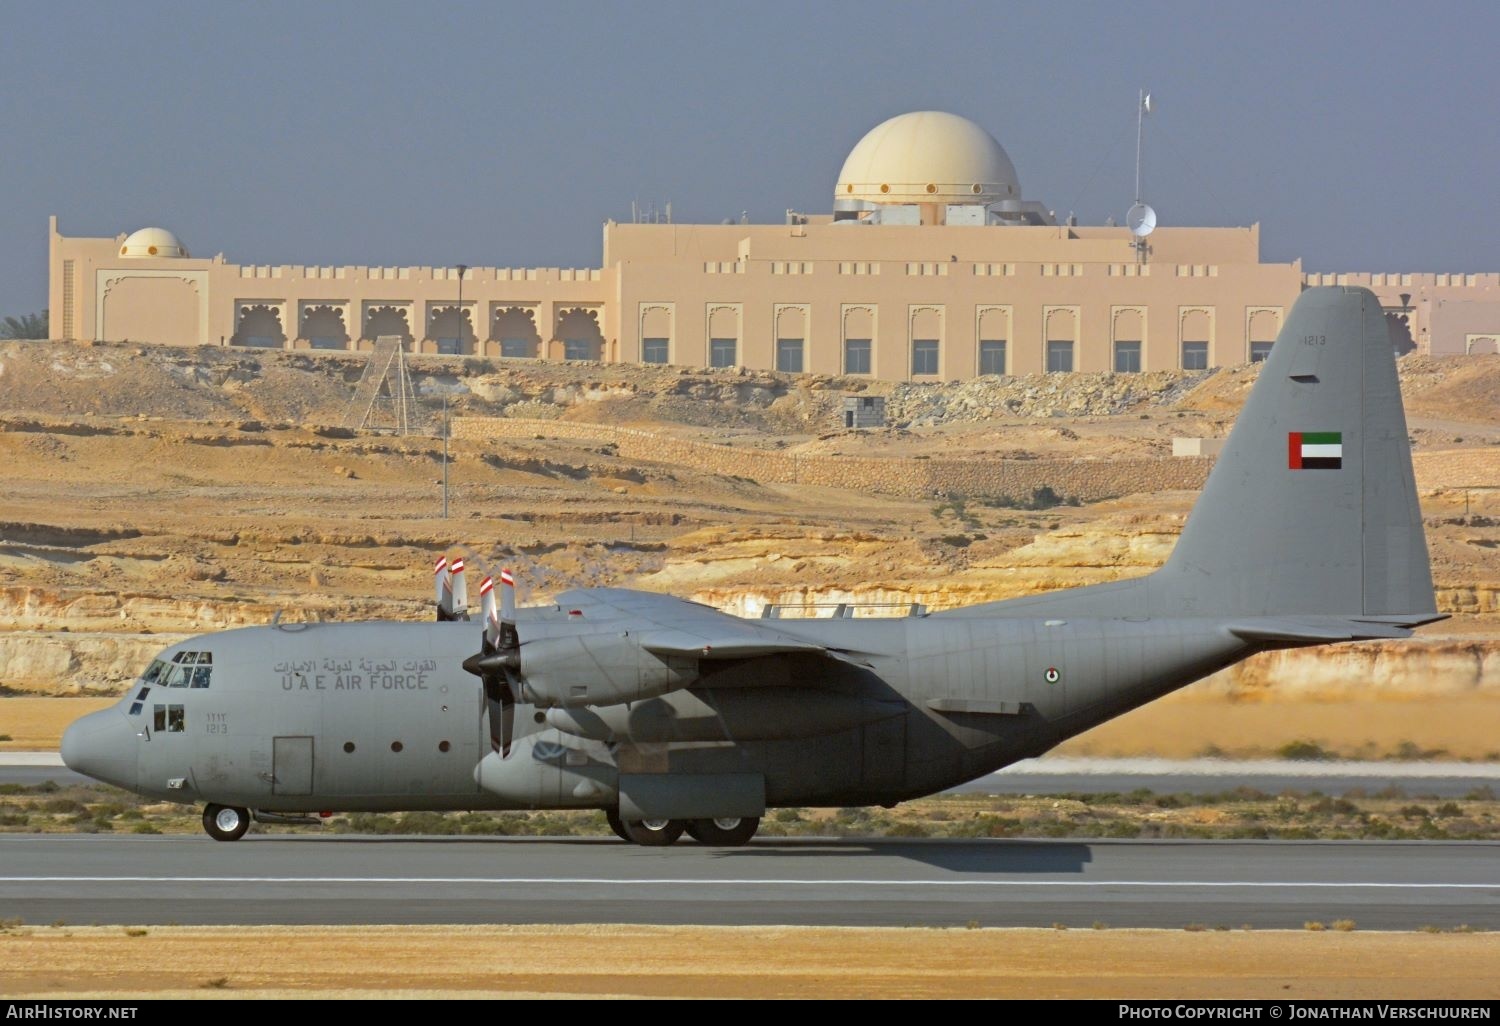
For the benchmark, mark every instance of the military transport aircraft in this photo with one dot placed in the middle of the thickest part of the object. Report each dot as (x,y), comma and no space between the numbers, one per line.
(670,716)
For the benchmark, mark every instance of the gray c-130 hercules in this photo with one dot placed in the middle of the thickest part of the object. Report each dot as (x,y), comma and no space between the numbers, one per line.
(671,716)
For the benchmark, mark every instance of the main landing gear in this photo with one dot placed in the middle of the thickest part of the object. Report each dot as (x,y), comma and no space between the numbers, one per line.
(225,822)
(658,833)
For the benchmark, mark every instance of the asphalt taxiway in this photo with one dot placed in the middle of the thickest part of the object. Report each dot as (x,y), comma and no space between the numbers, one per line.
(344,879)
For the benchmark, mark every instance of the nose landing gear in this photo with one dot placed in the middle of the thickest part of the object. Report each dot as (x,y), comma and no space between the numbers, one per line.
(225,822)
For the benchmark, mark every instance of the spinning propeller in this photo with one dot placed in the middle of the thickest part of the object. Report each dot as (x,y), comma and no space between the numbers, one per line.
(498,661)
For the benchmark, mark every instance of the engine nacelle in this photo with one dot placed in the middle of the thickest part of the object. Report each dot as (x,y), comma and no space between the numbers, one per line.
(542,773)
(598,669)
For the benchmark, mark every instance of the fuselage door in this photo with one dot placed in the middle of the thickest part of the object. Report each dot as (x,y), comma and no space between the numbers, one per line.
(292,765)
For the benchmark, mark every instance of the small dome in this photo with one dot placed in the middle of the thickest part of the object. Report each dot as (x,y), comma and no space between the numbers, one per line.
(152,242)
(928,157)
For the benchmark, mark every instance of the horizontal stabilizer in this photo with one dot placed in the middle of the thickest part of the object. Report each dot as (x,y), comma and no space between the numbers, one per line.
(1318,630)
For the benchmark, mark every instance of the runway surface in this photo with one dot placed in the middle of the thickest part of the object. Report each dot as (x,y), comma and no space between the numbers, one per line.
(1063,775)
(31,768)
(83,879)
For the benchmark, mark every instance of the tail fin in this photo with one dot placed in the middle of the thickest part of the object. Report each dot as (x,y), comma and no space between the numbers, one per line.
(1312,506)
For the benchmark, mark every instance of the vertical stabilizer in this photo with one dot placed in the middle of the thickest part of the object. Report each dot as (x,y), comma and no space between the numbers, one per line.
(1312,506)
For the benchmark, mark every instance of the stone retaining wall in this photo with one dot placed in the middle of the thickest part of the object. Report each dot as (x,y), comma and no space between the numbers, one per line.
(1086,479)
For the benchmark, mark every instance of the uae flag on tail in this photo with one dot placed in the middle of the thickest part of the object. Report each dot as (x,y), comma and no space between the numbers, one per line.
(1315,450)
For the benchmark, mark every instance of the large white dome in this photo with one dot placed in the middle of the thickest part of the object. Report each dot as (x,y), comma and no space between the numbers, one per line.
(152,242)
(928,156)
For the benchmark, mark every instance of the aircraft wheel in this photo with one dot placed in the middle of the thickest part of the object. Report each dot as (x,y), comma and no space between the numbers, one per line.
(724,833)
(226,822)
(653,833)
(616,825)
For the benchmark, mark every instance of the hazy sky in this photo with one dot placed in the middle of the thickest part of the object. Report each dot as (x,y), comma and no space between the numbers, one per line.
(1362,136)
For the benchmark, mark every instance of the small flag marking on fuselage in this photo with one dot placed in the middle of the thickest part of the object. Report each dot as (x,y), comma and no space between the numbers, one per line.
(1315,450)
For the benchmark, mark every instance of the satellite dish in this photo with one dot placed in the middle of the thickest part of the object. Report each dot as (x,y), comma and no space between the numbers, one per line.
(1142,220)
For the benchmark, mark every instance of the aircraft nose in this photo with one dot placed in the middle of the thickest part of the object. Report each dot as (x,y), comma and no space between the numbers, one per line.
(102,745)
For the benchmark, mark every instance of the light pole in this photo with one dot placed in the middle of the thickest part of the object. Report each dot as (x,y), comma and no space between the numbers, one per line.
(445,455)
(462,269)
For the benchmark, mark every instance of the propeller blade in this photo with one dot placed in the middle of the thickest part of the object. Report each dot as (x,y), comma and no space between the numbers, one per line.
(460,608)
(487,608)
(500,698)
(507,716)
(509,640)
(440,587)
(498,661)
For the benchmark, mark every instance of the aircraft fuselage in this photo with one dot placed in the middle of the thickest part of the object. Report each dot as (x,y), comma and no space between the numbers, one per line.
(382,716)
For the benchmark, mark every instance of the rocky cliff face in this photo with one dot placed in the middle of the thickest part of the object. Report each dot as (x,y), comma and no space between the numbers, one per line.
(42,662)
(743,573)
(121,531)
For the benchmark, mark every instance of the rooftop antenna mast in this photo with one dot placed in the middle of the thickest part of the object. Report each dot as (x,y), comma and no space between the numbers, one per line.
(1140,217)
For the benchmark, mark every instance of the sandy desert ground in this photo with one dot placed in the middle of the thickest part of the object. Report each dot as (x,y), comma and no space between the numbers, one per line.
(742,962)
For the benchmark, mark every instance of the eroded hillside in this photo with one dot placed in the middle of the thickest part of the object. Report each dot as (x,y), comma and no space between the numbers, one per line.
(153,492)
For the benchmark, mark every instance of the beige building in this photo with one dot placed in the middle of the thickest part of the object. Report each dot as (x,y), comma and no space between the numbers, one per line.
(931,266)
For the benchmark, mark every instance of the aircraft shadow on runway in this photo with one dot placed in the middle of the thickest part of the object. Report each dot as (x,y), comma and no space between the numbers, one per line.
(956,855)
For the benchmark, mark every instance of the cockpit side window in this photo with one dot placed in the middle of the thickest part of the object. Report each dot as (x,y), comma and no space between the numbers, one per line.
(153,672)
(169,718)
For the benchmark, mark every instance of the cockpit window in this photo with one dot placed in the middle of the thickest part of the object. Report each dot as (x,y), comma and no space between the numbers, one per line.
(186,670)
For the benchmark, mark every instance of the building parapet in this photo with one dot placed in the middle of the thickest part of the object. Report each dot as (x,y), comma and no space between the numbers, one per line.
(1313,279)
(473,274)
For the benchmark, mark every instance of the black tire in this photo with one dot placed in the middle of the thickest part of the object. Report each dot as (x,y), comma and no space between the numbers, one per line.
(226,822)
(653,833)
(616,825)
(723,833)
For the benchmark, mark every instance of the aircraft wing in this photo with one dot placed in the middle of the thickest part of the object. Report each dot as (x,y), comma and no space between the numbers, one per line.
(670,626)
(616,602)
